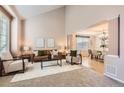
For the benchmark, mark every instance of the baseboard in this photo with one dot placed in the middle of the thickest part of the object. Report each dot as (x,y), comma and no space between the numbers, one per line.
(121,81)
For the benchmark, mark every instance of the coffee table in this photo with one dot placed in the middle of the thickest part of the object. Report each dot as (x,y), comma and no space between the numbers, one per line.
(53,59)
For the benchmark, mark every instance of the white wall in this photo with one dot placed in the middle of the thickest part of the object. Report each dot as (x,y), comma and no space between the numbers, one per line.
(80,17)
(47,25)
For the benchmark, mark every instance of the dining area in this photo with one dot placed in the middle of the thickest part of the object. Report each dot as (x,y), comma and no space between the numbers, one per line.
(97,54)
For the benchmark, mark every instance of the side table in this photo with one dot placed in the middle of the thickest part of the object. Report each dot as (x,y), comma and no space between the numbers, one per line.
(28,56)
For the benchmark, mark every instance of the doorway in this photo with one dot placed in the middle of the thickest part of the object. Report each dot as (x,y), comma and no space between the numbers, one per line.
(93,44)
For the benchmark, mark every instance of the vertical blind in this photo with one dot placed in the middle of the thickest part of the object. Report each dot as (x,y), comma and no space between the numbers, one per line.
(4,32)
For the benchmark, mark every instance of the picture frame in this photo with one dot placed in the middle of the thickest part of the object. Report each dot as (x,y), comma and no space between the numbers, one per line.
(50,43)
(40,43)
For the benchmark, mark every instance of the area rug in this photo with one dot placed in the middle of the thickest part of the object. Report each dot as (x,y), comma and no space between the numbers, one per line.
(50,68)
(83,77)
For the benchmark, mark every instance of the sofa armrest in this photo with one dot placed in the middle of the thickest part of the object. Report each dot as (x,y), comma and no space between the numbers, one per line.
(80,57)
(4,60)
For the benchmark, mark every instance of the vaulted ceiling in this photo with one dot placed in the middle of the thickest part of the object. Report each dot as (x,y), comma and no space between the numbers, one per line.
(27,11)
(95,29)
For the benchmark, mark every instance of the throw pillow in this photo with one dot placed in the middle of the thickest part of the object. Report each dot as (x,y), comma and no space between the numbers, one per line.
(40,53)
(36,53)
(54,52)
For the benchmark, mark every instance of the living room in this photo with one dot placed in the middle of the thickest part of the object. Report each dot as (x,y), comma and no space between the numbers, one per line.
(38,30)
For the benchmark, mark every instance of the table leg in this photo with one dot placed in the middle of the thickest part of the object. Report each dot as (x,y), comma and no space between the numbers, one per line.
(1,69)
(32,62)
(60,62)
(57,62)
(41,65)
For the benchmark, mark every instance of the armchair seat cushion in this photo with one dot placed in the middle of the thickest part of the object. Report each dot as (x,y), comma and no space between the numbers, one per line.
(76,59)
(73,59)
(11,65)
(16,66)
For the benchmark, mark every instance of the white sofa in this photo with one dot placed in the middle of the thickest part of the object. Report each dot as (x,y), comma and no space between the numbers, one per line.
(11,65)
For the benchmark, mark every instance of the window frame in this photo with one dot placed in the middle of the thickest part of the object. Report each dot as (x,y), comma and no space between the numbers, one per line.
(10,17)
(81,36)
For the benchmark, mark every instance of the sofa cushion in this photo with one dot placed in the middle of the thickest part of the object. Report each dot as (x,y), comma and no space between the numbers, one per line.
(41,53)
(40,58)
(45,52)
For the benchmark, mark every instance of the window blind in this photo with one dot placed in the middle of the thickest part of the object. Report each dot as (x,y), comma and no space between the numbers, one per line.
(4,31)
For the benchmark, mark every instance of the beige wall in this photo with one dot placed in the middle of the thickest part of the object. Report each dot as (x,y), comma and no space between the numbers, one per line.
(113,36)
(71,41)
(93,42)
(80,17)
(47,25)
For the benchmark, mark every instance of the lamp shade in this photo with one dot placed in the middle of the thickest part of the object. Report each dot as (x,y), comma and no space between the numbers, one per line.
(25,48)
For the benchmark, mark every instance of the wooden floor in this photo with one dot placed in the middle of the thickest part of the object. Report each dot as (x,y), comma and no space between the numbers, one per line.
(96,65)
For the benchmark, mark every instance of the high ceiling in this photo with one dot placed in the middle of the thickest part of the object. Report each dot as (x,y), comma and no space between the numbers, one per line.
(27,11)
(95,29)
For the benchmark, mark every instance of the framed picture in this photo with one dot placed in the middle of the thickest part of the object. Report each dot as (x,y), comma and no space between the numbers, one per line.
(40,43)
(50,43)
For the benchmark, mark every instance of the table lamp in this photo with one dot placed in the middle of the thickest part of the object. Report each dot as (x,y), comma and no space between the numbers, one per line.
(26,49)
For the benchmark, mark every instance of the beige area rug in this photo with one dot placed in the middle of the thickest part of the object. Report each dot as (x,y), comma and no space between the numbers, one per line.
(83,77)
(50,68)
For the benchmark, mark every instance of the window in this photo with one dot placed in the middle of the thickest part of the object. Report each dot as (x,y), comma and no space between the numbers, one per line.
(82,42)
(4,29)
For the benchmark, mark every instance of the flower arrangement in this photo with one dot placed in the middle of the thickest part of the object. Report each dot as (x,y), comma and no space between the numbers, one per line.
(104,38)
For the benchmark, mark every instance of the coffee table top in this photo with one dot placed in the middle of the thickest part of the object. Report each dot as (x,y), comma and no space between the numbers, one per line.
(50,59)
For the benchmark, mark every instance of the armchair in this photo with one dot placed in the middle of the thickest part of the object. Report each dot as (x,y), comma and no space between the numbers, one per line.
(74,58)
(10,65)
